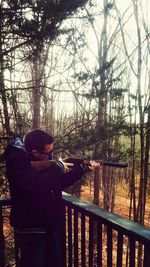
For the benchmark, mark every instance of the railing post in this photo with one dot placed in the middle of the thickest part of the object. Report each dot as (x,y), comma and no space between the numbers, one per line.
(64,236)
(2,243)
(146,255)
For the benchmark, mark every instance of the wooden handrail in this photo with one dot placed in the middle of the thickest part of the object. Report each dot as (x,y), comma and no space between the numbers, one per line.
(91,234)
(105,229)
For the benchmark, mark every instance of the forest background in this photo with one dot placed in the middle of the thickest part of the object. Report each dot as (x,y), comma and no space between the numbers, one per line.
(81,70)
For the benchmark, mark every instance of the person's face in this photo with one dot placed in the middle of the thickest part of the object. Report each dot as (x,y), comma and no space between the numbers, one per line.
(45,154)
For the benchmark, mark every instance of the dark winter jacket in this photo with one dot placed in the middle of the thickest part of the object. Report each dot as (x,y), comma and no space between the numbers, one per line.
(36,196)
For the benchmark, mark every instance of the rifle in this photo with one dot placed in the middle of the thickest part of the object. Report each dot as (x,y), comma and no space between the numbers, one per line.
(76,161)
(69,162)
(72,161)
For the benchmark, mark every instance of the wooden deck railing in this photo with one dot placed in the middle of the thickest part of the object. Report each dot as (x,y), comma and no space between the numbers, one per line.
(94,237)
(4,203)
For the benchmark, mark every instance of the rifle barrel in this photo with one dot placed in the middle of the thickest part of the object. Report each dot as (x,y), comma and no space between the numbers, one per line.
(114,164)
(109,163)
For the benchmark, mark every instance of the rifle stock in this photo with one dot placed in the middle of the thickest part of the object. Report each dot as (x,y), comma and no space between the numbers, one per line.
(44,164)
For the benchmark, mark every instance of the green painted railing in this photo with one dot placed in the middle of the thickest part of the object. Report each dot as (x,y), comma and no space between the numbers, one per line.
(94,237)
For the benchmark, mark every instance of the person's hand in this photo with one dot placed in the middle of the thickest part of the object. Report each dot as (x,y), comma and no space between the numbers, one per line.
(94,165)
(66,165)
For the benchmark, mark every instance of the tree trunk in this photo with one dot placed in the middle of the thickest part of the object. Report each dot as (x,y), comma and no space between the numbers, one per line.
(2,85)
(96,187)
(36,93)
(146,161)
(101,118)
(140,209)
(106,184)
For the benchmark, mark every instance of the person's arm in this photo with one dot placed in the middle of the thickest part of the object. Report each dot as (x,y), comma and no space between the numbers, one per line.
(42,165)
(23,176)
(69,178)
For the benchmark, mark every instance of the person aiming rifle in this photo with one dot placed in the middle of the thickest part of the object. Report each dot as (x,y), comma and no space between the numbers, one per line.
(36,183)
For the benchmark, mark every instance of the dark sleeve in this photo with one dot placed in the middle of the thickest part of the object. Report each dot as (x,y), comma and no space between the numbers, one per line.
(22,176)
(69,178)
(16,160)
